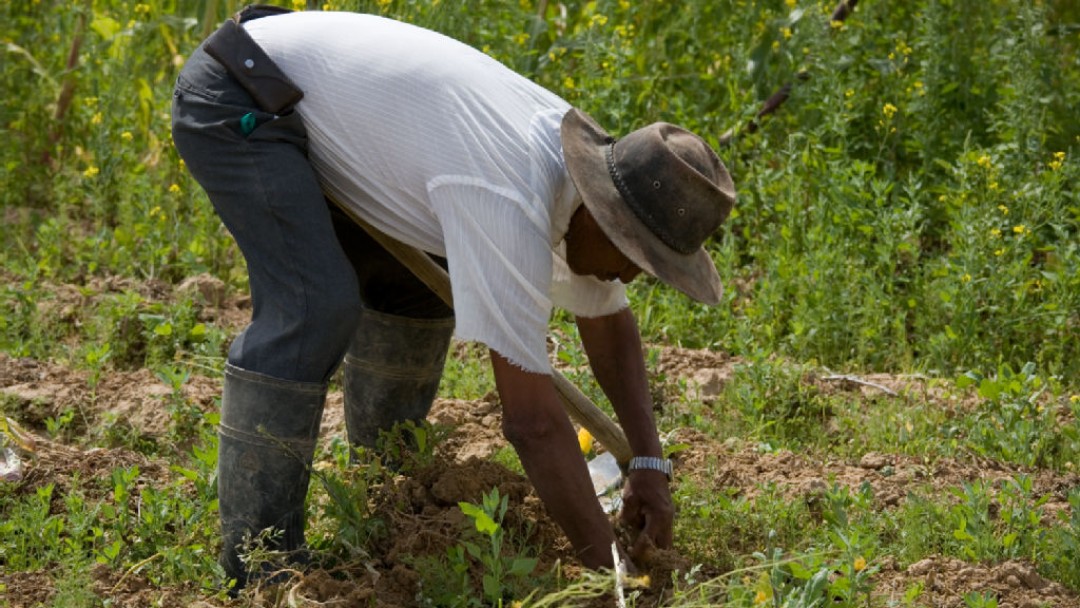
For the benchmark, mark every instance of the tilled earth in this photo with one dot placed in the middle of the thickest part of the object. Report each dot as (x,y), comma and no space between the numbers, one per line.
(422,510)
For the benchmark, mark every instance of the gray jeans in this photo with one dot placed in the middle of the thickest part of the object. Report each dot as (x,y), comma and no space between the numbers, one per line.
(310,268)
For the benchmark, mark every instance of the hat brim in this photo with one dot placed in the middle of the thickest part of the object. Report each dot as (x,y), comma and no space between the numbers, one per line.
(584,143)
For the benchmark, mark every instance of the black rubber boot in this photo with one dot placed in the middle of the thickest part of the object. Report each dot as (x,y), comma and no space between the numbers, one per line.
(267,437)
(392,372)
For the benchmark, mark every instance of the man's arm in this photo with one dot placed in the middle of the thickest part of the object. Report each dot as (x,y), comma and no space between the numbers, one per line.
(613,345)
(538,427)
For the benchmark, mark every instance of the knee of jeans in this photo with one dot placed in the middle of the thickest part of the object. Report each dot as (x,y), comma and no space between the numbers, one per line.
(335,312)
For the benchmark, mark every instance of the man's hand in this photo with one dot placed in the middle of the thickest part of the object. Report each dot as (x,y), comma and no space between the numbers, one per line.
(648,511)
(614,349)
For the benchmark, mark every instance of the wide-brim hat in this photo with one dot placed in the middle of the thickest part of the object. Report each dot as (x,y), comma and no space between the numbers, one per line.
(657,193)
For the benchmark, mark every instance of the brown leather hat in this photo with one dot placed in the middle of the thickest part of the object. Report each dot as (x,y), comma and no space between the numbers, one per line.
(657,193)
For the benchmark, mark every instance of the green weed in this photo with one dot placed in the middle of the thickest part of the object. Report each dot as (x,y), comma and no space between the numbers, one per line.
(501,573)
(980,599)
(775,405)
(1015,423)
(505,571)
(1066,537)
(718,527)
(341,506)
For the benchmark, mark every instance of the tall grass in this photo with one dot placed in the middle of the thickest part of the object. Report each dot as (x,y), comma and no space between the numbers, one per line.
(912,206)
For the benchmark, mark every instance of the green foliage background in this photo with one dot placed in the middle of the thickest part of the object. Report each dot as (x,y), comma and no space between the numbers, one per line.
(912,206)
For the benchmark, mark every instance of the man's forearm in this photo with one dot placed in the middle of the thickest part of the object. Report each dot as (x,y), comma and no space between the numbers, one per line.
(538,427)
(613,345)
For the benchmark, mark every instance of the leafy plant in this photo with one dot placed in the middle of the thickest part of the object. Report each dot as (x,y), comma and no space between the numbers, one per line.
(1014,423)
(1066,537)
(500,572)
(980,599)
(347,522)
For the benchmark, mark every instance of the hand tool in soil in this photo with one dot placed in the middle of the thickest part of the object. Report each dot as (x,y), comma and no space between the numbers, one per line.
(605,469)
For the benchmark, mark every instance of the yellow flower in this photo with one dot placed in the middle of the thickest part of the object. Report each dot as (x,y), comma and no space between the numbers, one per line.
(638,582)
(1059,159)
(849,93)
(521,39)
(985,162)
(760,597)
(96,118)
(585,441)
(597,20)
(995,232)
(860,564)
(966,278)
(999,252)
(568,82)
(175,189)
(836,24)
(126,136)
(775,45)
(1003,209)
(1019,229)
(992,185)
(786,32)
(91,171)
(791,3)
(1074,399)
(888,110)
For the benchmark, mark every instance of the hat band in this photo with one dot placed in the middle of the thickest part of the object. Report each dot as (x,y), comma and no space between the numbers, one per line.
(639,210)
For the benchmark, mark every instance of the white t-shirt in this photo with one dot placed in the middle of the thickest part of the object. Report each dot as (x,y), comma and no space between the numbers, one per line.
(445,149)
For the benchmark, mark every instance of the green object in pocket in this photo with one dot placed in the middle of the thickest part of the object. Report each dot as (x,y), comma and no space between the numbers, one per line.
(247,123)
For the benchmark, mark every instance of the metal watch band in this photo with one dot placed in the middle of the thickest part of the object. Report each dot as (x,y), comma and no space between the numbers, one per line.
(651,463)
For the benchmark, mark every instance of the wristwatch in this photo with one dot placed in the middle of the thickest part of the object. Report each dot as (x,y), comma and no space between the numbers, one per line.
(651,463)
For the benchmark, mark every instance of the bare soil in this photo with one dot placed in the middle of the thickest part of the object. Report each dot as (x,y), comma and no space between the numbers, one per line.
(422,510)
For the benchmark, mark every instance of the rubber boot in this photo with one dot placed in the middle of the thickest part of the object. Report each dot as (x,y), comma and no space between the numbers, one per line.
(391,372)
(267,437)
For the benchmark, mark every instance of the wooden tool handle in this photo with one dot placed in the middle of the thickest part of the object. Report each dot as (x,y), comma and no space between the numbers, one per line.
(577,404)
